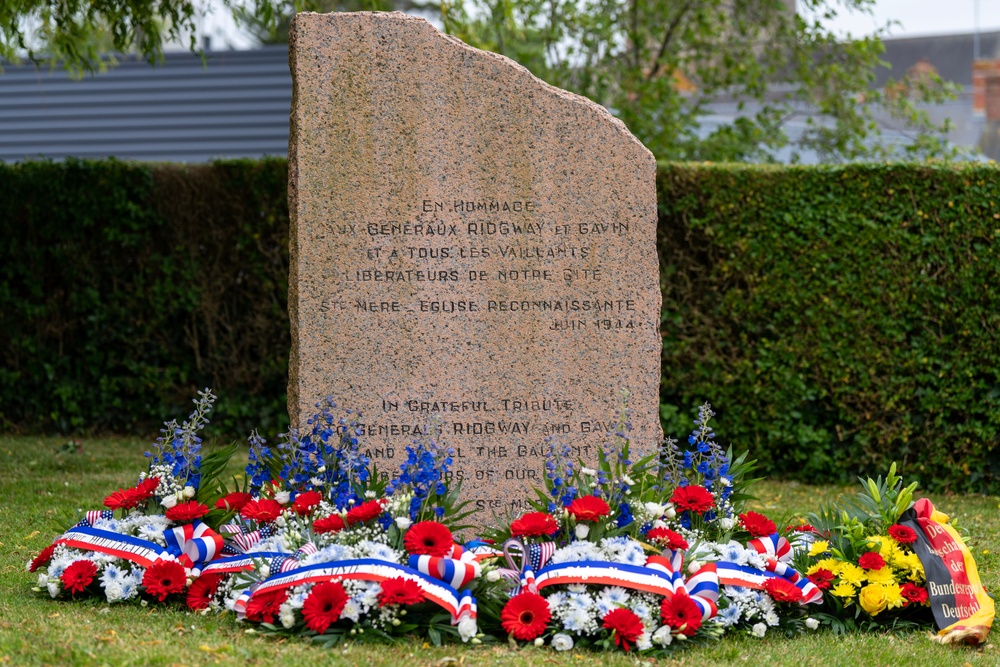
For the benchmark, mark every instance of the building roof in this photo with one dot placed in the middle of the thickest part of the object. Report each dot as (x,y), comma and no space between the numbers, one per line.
(179,111)
(950,55)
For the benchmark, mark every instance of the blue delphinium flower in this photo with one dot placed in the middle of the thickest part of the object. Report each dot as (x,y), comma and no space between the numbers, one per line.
(424,473)
(559,470)
(179,448)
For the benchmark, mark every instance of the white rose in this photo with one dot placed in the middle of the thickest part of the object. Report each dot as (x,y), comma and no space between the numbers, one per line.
(321,469)
(53,587)
(403,522)
(188,492)
(655,510)
(812,623)
(281,521)
(582,530)
(265,571)
(539,642)
(727,523)
(467,628)
(670,512)
(659,524)
(169,501)
(562,642)
(759,630)
(283,497)
(287,616)
(694,567)
(663,636)
(493,576)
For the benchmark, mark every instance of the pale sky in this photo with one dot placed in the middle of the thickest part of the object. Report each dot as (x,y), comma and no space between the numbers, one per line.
(915,17)
(923,17)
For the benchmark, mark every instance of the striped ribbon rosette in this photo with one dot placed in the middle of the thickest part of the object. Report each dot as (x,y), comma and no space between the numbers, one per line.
(778,552)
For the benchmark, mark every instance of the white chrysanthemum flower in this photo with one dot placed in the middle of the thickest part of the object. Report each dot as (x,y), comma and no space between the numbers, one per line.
(771,618)
(555,600)
(589,472)
(562,642)
(756,560)
(730,615)
(734,552)
(614,595)
(577,620)
(662,636)
(352,611)
(759,630)
(467,628)
(578,551)
(577,588)
(378,551)
(286,615)
(129,588)
(151,533)
(580,601)
(111,525)
(644,642)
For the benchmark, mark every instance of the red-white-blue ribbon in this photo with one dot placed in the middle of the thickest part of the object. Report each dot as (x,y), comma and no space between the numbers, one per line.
(193,543)
(773,546)
(367,569)
(141,552)
(731,574)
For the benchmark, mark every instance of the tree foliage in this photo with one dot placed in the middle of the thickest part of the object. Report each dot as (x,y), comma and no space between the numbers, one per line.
(660,64)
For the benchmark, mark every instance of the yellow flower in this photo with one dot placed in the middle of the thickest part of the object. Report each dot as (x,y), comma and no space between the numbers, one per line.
(880,576)
(890,551)
(818,548)
(873,599)
(843,590)
(911,564)
(830,564)
(852,574)
(893,596)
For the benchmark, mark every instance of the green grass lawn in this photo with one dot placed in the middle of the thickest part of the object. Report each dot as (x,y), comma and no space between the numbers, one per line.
(39,483)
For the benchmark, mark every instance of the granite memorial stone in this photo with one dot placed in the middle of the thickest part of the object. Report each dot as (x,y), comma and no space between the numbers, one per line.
(470,242)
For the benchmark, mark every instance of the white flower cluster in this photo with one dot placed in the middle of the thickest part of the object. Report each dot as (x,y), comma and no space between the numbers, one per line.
(748,606)
(120,579)
(581,610)
(614,549)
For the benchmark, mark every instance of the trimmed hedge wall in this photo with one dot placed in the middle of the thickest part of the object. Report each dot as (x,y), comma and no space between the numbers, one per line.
(126,288)
(836,317)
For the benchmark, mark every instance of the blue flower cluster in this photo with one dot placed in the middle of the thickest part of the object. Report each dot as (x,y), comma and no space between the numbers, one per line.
(328,458)
(179,447)
(424,473)
(704,463)
(257,470)
(559,470)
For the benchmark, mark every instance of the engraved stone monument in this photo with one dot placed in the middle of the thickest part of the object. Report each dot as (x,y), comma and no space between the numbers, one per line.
(467,241)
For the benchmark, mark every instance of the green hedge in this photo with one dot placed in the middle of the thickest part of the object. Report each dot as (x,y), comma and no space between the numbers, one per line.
(125,288)
(836,317)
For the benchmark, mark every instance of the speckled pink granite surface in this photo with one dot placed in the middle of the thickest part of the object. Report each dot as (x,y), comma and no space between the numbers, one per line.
(468,241)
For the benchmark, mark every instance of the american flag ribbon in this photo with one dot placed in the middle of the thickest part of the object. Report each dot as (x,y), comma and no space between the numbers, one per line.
(533,558)
(91,517)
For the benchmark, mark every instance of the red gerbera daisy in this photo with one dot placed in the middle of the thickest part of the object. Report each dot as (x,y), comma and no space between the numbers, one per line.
(913,594)
(681,613)
(801,528)
(233,502)
(692,498)
(525,616)
(588,508)
(627,627)
(782,590)
(42,558)
(78,576)
(871,561)
(163,578)
(822,578)
(400,591)
(330,524)
(429,538)
(264,608)
(261,511)
(757,524)
(306,502)
(202,591)
(902,534)
(667,538)
(145,489)
(324,605)
(187,511)
(534,524)
(364,512)
(124,499)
